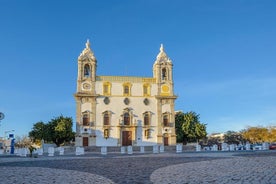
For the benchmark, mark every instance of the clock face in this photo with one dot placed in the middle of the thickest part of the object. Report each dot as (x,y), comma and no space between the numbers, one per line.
(165,88)
(86,86)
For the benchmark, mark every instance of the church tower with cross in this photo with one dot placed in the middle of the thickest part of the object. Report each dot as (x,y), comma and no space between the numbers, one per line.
(124,110)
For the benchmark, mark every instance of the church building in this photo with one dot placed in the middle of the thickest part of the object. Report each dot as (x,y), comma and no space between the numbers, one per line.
(124,110)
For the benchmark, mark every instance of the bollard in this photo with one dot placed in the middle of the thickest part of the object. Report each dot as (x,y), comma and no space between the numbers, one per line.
(215,147)
(142,149)
(103,150)
(198,147)
(179,148)
(129,150)
(79,151)
(162,149)
(51,151)
(224,147)
(265,146)
(61,151)
(232,147)
(40,151)
(123,150)
(155,149)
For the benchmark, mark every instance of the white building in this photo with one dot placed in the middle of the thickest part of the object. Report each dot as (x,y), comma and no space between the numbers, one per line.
(124,110)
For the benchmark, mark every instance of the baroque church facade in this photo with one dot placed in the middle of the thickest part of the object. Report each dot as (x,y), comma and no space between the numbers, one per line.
(124,110)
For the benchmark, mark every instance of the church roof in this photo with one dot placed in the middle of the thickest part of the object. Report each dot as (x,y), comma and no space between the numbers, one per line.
(162,56)
(87,53)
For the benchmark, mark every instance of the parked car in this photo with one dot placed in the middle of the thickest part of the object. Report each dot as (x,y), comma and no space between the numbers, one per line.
(272,146)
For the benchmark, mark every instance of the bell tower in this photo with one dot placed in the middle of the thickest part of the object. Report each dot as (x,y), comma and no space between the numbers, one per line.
(163,74)
(86,97)
(87,65)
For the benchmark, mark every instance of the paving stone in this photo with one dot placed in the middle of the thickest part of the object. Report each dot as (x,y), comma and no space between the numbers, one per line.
(215,167)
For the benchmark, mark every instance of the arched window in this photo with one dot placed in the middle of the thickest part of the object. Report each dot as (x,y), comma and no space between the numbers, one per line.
(165,120)
(106,119)
(164,74)
(146,119)
(146,90)
(86,70)
(126,89)
(106,88)
(126,119)
(85,120)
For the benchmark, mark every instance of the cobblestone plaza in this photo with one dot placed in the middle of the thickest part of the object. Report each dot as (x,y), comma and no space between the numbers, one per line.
(168,167)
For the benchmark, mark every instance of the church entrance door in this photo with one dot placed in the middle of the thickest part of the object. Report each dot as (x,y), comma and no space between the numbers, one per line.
(85,141)
(127,138)
(166,140)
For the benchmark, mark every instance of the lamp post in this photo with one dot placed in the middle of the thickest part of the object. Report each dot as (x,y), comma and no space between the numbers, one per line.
(5,139)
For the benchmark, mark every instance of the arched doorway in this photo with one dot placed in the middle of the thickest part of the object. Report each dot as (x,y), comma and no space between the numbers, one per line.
(166,140)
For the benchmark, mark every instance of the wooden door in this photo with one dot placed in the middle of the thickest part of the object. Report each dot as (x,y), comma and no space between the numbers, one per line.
(85,141)
(127,138)
(166,141)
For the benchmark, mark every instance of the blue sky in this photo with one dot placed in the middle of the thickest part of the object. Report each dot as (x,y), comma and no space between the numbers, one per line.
(224,55)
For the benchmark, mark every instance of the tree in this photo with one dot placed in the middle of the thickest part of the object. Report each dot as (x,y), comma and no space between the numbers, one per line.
(256,134)
(23,142)
(39,131)
(189,128)
(58,130)
(62,130)
(232,137)
(179,116)
(272,134)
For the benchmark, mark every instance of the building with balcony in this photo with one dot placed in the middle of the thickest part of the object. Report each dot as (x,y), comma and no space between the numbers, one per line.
(124,110)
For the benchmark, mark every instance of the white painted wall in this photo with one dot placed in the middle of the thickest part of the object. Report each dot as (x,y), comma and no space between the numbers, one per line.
(116,106)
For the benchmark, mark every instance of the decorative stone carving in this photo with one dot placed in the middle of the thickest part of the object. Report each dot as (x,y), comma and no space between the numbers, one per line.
(162,56)
(87,53)
(165,101)
(85,99)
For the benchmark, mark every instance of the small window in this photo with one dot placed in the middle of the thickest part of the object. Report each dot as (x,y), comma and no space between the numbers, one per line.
(146,119)
(106,119)
(126,101)
(106,100)
(85,120)
(147,133)
(165,120)
(146,101)
(86,71)
(126,119)
(126,89)
(107,88)
(146,89)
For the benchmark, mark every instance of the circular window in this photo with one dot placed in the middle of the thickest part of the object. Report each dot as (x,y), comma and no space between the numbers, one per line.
(106,100)
(126,101)
(146,101)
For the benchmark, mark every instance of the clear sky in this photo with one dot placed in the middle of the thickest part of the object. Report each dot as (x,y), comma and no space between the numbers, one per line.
(223,51)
